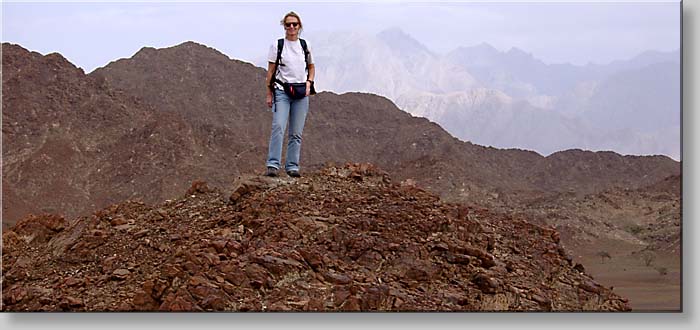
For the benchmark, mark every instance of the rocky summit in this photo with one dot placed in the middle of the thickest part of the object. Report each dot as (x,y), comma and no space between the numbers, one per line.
(342,238)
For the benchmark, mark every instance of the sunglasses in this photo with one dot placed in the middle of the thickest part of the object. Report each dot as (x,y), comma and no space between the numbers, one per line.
(294,24)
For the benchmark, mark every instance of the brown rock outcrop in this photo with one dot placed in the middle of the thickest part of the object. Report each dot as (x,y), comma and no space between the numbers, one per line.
(336,239)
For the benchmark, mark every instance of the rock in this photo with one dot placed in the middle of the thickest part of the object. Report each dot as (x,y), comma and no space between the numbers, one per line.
(556,237)
(198,280)
(457,258)
(540,299)
(277,266)
(417,274)
(118,221)
(16,294)
(257,275)
(72,282)
(244,186)
(314,304)
(590,287)
(337,278)
(143,301)
(120,274)
(375,297)
(69,302)
(219,245)
(485,283)
(487,260)
(351,304)
(141,233)
(215,302)
(314,259)
(340,294)
(198,187)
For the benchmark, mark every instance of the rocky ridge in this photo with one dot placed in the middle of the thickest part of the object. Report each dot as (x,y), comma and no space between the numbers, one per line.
(342,238)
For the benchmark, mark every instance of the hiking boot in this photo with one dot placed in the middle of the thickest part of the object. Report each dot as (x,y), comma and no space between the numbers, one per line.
(271,171)
(294,173)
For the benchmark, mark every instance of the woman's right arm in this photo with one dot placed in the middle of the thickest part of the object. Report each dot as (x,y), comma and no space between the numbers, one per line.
(268,83)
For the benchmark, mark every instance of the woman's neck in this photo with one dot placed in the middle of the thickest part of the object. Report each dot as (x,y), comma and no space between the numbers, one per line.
(292,38)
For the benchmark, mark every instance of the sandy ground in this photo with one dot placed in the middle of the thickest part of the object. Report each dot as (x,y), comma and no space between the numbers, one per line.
(646,288)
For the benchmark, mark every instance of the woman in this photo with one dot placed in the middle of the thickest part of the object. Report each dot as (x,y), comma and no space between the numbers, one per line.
(292,68)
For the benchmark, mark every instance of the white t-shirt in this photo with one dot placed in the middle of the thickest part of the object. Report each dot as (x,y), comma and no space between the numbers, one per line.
(292,68)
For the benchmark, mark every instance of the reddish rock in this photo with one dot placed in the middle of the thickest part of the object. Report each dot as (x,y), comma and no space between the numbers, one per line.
(335,278)
(144,301)
(15,295)
(314,259)
(351,304)
(256,274)
(72,282)
(340,294)
(591,287)
(198,187)
(485,283)
(69,302)
(118,221)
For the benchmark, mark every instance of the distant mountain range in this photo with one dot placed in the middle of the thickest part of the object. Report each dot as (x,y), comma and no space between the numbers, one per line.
(512,99)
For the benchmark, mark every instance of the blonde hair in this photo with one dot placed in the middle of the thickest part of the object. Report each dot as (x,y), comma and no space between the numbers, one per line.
(293,14)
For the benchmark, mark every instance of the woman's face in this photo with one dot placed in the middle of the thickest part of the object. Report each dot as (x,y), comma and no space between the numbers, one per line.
(291,26)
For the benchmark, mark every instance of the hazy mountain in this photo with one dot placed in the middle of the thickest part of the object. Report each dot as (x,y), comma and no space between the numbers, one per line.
(490,117)
(512,99)
(643,99)
(515,72)
(391,64)
(520,74)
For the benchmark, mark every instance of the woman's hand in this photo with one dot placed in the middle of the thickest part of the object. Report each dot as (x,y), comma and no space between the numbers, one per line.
(308,88)
(268,99)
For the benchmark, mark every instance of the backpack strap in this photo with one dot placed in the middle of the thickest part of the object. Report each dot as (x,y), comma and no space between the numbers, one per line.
(306,55)
(280,45)
(306,59)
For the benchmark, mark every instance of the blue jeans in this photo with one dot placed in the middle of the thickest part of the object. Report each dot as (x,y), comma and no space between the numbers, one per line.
(285,109)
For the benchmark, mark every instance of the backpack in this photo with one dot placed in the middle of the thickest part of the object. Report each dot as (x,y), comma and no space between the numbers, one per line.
(290,88)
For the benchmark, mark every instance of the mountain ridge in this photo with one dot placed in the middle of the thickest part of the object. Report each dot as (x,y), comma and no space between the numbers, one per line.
(221,126)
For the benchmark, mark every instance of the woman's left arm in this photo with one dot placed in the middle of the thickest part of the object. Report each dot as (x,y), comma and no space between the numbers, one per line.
(312,74)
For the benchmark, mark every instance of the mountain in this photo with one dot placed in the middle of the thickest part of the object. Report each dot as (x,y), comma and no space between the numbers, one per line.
(558,102)
(71,144)
(391,62)
(195,118)
(491,117)
(515,72)
(340,239)
(643,99)
(521,75)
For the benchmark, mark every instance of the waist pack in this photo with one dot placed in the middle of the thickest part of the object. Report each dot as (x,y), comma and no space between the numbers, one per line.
(295,91)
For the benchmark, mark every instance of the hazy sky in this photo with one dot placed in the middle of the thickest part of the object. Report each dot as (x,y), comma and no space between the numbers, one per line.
(93,34)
